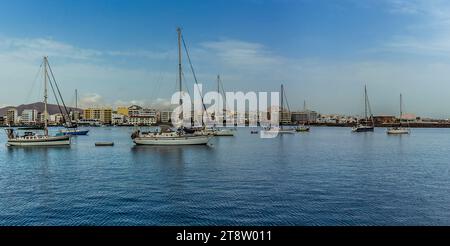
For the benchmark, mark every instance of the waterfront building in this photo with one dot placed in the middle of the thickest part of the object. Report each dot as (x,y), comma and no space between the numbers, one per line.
(75,116)
(165,116)
(134,110)
(123,111)
(119,119)
(141,116)
(384,119)
(29,116)
(12,117)
(102,115)
(285,117)
(56,119)
(303,117)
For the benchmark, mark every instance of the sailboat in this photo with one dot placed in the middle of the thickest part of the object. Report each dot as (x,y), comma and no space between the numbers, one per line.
(221,131)
(167,136)
(72,128)
(365,126)
(303,127)
(30,138)
(280,129)
(399,130)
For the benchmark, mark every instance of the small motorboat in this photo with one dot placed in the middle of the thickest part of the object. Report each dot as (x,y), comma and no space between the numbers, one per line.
(302,128)
(102,144)
(398,131)
(74,132)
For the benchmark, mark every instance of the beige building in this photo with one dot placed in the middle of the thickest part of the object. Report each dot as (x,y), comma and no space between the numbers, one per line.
(103,115)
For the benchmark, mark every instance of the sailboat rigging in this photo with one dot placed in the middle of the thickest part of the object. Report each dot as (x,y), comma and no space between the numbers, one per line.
(399,129)
(217,131)
(30,138)
(72,127)
(181,135)
(282,115)
(368,124)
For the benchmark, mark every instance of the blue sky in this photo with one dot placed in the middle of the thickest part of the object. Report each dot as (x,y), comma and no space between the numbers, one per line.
(121,52)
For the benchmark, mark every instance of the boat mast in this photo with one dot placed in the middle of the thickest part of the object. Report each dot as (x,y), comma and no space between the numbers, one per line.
(179,64)
(218,97)
(365,102)
(282,104)
(45,97)
(401,110)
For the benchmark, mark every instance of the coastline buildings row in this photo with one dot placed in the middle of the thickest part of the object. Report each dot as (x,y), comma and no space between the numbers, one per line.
(133,115)
(139,116)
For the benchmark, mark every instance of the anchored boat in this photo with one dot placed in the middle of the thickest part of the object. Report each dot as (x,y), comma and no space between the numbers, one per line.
(368,124)
(179,136)
(280,129)
(72,127)
(302,128)
(30,138)
(399,130)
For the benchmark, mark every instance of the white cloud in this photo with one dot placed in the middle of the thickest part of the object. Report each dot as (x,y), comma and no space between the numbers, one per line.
(91,100)
(427,34)
(238,53)
(31,48)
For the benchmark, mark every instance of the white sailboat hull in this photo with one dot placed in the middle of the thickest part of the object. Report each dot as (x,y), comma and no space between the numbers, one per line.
(181,140)
(398,131)
(44,141)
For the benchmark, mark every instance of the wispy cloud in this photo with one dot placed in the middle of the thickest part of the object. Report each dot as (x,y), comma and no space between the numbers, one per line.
(32,48)
(242,54)
(429,30)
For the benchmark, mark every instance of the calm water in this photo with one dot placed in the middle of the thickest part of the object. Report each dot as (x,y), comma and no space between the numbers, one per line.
(327,177)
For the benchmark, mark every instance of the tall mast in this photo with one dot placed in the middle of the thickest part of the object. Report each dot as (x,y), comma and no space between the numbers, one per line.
(401,110)
(365,101)
(282,98)
(76,100)
(45,97)
(304,105)
(218,96)
(179,64)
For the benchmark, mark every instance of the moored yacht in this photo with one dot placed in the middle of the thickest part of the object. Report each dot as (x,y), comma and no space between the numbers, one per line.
(368,124)
(30,138)
(181,135)
(399,130)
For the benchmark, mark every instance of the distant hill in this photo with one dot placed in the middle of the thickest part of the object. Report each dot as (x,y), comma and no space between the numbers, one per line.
(39,106)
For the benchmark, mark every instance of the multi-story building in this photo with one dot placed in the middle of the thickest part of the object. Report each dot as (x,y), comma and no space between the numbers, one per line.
(119,119)
(165,116)
(29,116)
(141,116)
(134,110)
(103,115)
(307,116)
(285,117)
(75,116)
(12,117)
(123,111)
(56,119)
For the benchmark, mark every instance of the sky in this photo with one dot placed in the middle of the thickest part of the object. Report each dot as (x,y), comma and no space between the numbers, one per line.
(118,52)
